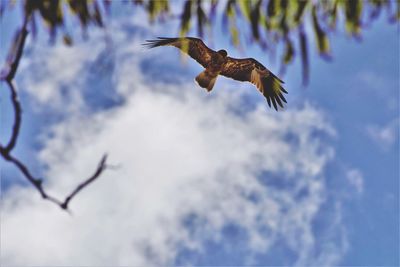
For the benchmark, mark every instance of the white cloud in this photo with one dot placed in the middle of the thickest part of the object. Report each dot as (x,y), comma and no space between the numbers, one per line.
(356,179)
(384,136)
(181,153)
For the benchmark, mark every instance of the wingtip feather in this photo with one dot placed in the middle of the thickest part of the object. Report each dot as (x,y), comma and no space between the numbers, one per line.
(279,102)
(268,100)
(160,41)
(274,103)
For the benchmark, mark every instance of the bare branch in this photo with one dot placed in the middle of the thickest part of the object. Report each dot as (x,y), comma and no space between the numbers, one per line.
(100,168)
(34,181)
(20,42)
(8,77)
(38,183)
(5,151)
(17,117)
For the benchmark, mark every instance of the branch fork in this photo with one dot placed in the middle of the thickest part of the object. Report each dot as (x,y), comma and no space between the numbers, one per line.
(7,76)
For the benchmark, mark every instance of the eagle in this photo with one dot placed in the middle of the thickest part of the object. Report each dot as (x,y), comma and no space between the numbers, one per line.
(219,63)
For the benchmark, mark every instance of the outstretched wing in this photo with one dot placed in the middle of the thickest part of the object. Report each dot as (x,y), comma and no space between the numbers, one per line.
(249,69)
(194,47)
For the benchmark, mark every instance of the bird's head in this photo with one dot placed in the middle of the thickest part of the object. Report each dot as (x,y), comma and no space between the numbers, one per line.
(223,53)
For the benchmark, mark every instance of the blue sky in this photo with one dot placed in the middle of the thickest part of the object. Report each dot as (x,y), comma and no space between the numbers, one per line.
(205,179)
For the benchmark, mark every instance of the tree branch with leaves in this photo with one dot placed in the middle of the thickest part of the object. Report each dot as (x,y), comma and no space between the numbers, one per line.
(274,25)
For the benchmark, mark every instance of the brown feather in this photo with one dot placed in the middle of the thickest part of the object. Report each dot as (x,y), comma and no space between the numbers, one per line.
(194,47)
(246,69)
(250,70)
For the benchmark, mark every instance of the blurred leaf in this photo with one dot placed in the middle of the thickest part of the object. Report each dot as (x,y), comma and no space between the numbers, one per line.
(30,6)
(301,6)
(353,16)
(279,18)
(333,14)
(245,7)
(80,8)
(151,10)
(230,14)
(156,8)
(284,5)
(137,2)
(235,36)
(304,56)
(322,39)
(375,8)
(272,8)
(283,25)
(50,11)
(185,18)
(97,14)
(201,18)
(289,52)
(67,40)
(255,19)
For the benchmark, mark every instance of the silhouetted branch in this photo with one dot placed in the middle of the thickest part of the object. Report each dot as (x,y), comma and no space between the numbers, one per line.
(7,76)
(100,168)
(17,117)
(14,58)
(18,46)
(38,183)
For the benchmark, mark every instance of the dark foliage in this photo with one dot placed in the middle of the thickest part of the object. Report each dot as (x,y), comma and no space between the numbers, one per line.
(271,23)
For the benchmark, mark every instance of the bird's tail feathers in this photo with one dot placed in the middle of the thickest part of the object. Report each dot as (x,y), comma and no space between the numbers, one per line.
(206,80)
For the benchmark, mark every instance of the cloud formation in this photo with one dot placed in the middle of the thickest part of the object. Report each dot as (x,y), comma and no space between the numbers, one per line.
(189,165)
(356,179)
(384,136)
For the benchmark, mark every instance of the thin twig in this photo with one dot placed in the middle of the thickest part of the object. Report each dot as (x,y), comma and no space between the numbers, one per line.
(100,168)
(38,183)
(21,42)
(17,117)
(5,151)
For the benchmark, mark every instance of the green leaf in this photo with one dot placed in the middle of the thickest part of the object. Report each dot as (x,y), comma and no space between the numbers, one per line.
(255,19)
(304,56)
(272,8)
(353,10)
(245,7)
(185,18)
(321,37)
(201,18)
(289,52)
(301,7)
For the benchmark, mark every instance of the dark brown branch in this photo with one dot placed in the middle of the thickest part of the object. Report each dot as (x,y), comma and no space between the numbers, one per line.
(20,48)
(5,151)
(20,43)
(100,168)
(17,117)
(38,183)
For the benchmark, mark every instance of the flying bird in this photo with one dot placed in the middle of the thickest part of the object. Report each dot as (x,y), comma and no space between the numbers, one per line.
(219,63)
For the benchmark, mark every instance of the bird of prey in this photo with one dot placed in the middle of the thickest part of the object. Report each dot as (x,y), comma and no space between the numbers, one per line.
(219,63)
